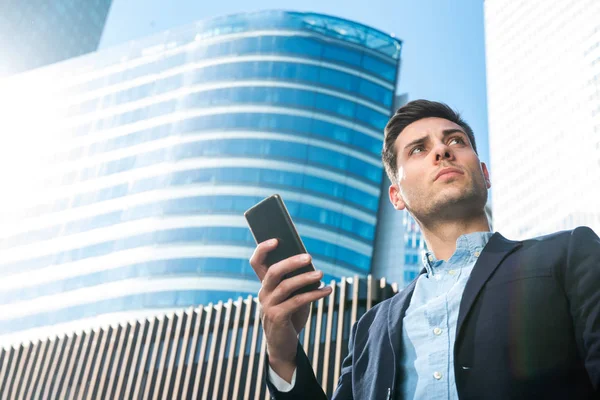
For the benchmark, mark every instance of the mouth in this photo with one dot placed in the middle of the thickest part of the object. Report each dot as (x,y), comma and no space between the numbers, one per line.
(448,173)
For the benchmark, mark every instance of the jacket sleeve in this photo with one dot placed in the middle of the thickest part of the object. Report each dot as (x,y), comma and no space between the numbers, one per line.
(583,290)
(344,385)
(307,387)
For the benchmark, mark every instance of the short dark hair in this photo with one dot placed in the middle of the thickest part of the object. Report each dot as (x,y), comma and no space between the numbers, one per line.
(406,115)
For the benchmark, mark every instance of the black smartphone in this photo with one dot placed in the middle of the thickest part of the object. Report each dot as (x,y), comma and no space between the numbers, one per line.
(270,219)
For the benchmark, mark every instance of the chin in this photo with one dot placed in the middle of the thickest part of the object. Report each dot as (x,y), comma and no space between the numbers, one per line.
(458,201)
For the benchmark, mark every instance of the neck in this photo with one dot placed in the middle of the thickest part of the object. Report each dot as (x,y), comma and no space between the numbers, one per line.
(441,237)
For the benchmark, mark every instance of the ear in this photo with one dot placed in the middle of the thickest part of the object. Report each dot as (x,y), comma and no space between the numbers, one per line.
(486,175)
(396,198)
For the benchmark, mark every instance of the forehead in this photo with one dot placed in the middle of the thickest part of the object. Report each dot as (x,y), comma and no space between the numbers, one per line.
(425,127)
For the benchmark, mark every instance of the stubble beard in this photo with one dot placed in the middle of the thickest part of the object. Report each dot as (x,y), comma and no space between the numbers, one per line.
(461,204)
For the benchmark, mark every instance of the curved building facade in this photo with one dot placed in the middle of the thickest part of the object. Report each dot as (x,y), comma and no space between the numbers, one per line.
(167,141)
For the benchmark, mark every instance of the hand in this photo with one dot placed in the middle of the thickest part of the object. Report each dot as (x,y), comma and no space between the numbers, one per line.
(283,317)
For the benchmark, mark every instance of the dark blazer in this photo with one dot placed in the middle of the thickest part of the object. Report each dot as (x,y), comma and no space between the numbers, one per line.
(528,328)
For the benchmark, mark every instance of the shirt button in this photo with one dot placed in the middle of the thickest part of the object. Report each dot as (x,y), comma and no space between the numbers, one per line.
(452,272)
(437,331)
(430,258)
(476,254)
(437,375)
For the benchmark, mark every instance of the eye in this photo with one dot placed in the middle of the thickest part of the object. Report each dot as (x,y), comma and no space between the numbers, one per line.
(457,139)
(416,149)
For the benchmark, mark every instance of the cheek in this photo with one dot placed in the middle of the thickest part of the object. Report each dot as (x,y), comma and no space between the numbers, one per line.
(401,173)
(411,182)
(410,177)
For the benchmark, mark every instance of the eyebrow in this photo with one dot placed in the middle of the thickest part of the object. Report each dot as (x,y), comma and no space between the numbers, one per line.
(424,139)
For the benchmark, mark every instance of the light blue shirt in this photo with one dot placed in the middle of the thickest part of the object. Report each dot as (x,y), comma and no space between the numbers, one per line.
(429,325)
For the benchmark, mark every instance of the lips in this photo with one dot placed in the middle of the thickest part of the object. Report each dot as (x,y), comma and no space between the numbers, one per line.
(448,171)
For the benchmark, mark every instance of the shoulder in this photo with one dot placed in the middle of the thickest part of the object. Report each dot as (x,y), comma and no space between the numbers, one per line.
(378,311)
(379,314)
(581,233)
(559,247)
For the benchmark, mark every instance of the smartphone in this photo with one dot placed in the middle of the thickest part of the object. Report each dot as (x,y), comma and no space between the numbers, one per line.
(270,219)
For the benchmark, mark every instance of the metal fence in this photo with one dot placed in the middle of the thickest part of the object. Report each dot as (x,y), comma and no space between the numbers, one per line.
(210,352)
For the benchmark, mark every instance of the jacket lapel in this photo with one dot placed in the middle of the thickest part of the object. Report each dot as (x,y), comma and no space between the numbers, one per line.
(491,257)
(396,311)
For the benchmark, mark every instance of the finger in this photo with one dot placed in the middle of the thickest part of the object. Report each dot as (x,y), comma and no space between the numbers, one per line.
(276,271)
(288,286)
(298,301)
(257,261)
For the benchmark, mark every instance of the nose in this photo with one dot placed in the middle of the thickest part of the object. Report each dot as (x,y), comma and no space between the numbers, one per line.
(443,152)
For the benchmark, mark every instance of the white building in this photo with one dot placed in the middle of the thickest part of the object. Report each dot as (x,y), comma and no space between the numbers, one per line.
(543,71)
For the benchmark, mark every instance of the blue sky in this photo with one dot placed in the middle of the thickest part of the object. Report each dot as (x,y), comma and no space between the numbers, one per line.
(443,57)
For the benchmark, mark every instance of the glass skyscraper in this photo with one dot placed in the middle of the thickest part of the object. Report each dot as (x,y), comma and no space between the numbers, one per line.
(34,33)
(543,70)
(163,143)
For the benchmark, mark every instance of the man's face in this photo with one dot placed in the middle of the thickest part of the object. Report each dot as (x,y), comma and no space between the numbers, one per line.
(440,176)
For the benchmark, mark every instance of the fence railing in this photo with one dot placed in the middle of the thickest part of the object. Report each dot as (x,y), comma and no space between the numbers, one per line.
(208,352)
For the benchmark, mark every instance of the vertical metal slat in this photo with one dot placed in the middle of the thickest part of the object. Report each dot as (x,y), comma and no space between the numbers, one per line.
(192,356)
(74,347)
(222,346)
(369,292)
(18,353)
(242,353)
(181,317)
(7,361)
(261,365)
(155,353)
(142,377)
(190,314)
(165,355)
(18,378)
(51,359)
(318,328)
(134,335)
(340,332)
(100,364)
(307,329)
(236,324)
(112,362)
(211,355)
(328,329)
(80,361)
(145,330)
(89,362)
(355,287)
(25,378)
(37,369)
(255,336)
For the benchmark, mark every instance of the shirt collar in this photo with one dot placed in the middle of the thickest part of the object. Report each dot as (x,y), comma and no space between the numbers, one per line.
(470,242)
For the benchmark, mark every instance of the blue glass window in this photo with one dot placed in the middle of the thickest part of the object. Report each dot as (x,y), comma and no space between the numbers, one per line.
(209,266)
(285,96)
(205,235)
(270,70)
(300,212)
(297,45)
(251,121)
(380,67)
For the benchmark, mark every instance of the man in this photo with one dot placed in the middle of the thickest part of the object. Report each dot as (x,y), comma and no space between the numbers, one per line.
(487,318)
